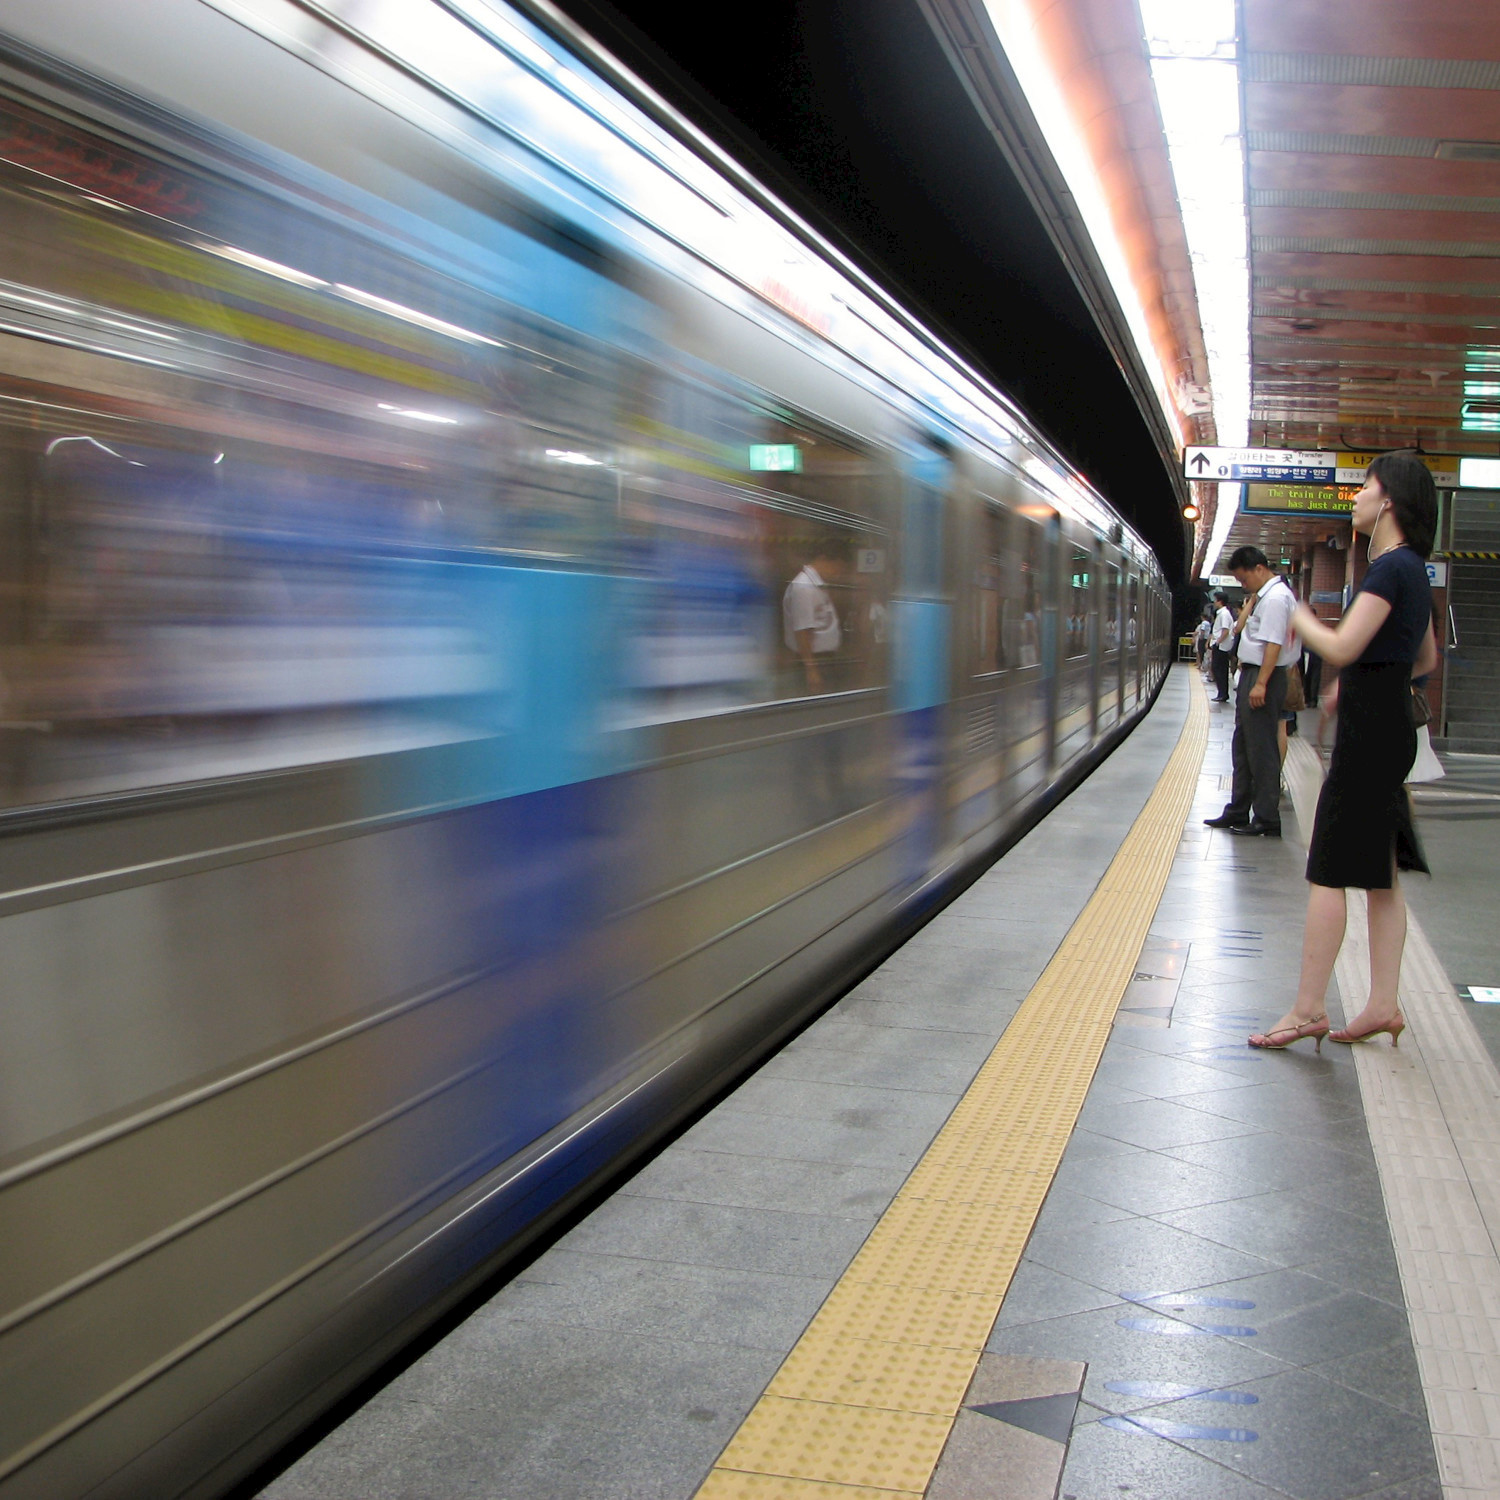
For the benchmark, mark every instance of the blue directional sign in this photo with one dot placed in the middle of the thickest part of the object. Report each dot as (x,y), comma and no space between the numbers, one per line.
(1235,465)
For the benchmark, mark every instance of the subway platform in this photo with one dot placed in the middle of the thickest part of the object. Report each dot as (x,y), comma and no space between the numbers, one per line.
(1022,1216)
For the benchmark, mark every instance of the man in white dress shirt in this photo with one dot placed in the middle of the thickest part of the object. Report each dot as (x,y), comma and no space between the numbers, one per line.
(810,623)
(1221,643)
(1266,645)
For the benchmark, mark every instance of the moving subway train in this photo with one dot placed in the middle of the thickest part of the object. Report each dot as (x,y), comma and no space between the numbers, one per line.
(496,625)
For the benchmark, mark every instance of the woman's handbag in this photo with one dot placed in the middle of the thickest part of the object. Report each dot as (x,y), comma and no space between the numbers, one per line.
(1296,695)
(1421,709)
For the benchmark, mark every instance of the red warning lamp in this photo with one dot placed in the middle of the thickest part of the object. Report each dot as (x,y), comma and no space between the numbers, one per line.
(1190,512)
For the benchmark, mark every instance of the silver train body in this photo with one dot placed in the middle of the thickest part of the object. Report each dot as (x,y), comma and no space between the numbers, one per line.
(415,792)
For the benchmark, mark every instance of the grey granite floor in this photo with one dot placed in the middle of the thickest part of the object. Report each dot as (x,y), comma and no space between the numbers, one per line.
(1215,1244)
(621,1361)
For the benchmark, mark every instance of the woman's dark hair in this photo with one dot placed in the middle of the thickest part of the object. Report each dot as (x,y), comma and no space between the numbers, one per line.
(1408,485)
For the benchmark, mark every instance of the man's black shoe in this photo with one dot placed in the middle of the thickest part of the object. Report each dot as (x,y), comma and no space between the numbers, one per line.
(1254,829)
(1221,700)
(1226,820)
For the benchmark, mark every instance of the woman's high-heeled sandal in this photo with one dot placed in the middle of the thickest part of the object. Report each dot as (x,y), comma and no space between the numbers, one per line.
(1316,1028)
(1396,1025)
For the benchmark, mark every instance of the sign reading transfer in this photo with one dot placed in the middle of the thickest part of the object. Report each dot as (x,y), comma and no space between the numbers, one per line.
(1298,466)
(1237,464)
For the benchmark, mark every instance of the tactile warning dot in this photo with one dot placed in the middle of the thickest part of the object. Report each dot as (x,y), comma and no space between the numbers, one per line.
(957,1222)
(904,1314)
(838,1444)
(872,1372)
(984,1182)
(737,1484)
(982,1268)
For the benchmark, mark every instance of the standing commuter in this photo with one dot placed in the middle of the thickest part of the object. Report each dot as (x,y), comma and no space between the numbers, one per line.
(1221,643)
(1254,805)
(810,622)
(1200,638)
(1363,831)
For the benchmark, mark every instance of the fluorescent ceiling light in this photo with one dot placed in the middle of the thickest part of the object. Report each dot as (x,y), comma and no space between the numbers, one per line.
(1015,26)
(1193,48)
(567,456)
(57,443)
(420,416)
(411,315)
(261,264)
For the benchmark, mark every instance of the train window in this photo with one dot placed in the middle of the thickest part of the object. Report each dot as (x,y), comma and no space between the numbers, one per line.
(989,586)
(922,523)
(1023,615)
(258,503)
(1006,630)
(1112,610)
(1080,574)
(756,537)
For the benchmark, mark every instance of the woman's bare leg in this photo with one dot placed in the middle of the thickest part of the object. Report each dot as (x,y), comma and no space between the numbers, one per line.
(1387,940)
(1322,937)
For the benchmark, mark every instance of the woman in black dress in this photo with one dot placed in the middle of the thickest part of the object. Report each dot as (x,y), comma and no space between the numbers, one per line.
(1363,831)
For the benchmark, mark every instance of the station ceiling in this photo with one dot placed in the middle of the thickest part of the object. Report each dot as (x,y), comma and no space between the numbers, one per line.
(1373,150)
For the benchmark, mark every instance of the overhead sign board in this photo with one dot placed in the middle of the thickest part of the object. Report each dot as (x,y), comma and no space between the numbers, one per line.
(1297,466)
(1239,464)
(1299,499)
(1352,466)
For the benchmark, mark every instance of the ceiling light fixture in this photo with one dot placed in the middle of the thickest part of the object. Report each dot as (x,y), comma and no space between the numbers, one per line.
(1016,27)
(1194,53)
(417,414)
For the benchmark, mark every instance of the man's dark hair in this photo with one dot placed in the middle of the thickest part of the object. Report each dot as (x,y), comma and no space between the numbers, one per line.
(834,548)
(1244,559)
(1220,597)
(1408,485)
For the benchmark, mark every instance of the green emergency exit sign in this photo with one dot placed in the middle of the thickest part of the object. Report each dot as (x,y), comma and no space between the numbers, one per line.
(775,458)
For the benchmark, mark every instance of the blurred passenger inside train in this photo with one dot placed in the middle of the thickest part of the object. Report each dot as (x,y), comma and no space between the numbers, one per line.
(810,620)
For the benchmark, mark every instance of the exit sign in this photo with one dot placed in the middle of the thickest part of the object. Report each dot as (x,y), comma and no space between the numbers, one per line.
(775,458)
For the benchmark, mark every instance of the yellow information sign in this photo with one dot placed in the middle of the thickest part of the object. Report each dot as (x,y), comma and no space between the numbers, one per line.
(1444,466)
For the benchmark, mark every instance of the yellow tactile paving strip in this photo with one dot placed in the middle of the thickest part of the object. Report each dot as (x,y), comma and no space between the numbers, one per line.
(1433,1111)
(864,1403)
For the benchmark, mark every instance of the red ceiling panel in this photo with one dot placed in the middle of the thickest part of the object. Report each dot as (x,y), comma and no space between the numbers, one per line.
(1305,302)
(1361,109)
(1376,28)
(1291,170)
(1427,269)
(1455,229)
(1371,348)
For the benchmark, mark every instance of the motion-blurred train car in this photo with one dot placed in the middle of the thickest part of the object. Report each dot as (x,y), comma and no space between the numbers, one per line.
(416,788)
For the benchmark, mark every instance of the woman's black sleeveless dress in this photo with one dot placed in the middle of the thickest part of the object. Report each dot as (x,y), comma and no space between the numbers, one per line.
(1363,828)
